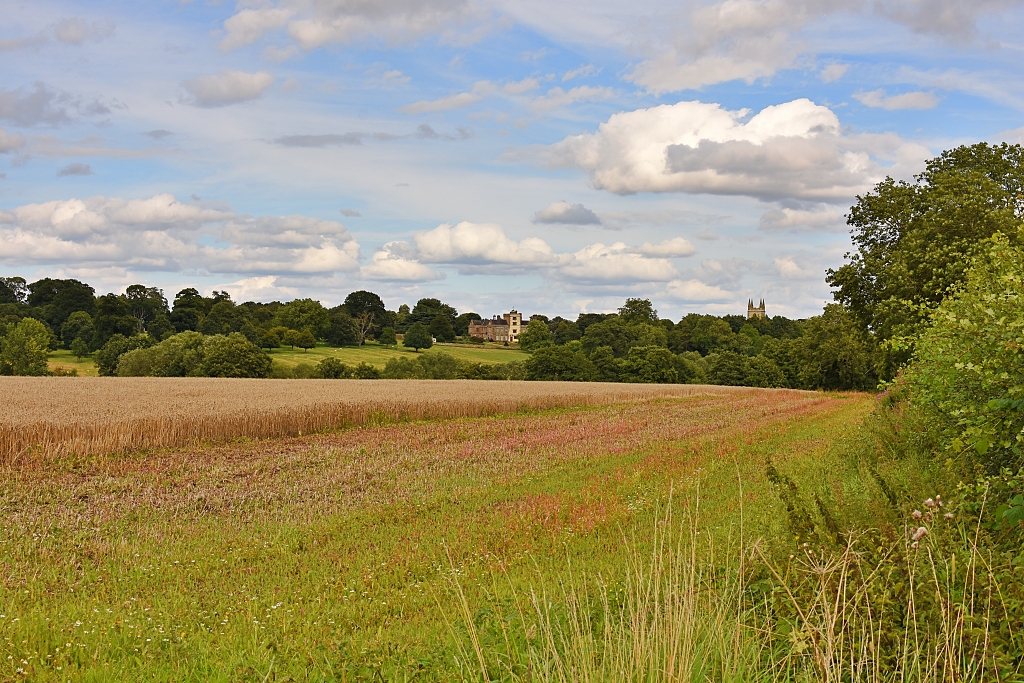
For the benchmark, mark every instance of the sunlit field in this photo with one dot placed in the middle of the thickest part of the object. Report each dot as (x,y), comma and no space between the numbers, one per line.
(371,353)
(350,555)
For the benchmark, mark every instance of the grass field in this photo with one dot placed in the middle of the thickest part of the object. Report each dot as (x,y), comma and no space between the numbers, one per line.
(371,353)
(350,555)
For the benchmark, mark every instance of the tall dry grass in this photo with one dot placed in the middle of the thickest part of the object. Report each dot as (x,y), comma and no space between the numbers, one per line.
(685,611)
(52,417)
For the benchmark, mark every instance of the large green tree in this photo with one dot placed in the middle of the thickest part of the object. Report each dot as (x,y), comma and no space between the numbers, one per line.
(304,314)
(25,347)
(914,240)
(55,300)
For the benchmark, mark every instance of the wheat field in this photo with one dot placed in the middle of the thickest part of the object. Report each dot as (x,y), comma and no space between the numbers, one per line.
(49,417)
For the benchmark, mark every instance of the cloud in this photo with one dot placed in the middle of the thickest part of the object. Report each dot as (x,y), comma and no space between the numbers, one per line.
(457,101)
(696,291)
(75,169)
(394,76)
(351,213)
(75,31)
(395,262)
(676,246)
(321,140)
(910,100)
(566,214)
(520,87)
(478,244)
(789,270)
(833,72)
(618,263)
(588,70)
(536,55)
(824,219)
(259,288)
(44,105)
(248,25)
(557,97)
(69,30)
(164,234)
(954,20)
(315,23)
(159,134)
(10,141)
(227,87)
(791,150)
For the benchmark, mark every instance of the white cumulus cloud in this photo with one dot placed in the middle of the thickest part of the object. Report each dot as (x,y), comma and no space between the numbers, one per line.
(478,244)
(248,25)
(618,263)
(792,150)
(696,291)
(677,246)
(227,87)
(396,261)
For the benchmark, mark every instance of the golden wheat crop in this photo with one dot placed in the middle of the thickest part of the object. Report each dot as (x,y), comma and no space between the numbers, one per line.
(56,416)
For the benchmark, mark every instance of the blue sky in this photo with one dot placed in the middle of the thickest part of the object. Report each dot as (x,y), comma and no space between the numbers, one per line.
(552,156)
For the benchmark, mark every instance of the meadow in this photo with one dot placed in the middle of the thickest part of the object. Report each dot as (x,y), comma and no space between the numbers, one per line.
(370,353)
(386,552)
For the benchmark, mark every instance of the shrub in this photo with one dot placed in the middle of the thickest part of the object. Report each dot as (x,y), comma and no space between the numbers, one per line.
(365,371)
(332,368)
(560,363)
(234,356)
(110,355)
(968,376)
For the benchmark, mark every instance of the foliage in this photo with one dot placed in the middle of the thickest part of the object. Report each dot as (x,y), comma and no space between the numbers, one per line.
(342,330)
(968,376)
(441,328)
(233,356)
(24,348)
(109,356)
(638,310)
(55,300)
(620,335)
(417,337)
(915,240)
(836,352)
(80,348)
(179,356)
(304,314)
(650,365)
(13,290)
(362,302)
(535,336)
(559,363)
(332,368)
(79,325)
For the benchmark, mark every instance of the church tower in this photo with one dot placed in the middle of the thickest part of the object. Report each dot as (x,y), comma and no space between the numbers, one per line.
(755,312)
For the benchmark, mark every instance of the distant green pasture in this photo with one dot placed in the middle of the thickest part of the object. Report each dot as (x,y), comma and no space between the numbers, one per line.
(372,353)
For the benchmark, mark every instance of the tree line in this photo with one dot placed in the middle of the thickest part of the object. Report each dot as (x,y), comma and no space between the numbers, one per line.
(913,244)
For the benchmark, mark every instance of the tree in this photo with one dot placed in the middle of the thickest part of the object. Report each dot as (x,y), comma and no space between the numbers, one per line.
(764,372)
(651,365)
(638,310)
(361,302)
(728,368)
(536,336)
(112,318)
(55,300)
(234,356)
(304,314)
(145,304)
(25,348)
(560,363)
(835,352)
(79,325)
(189,308)
(80,348)
(417,337)
(332,368)
(290,338)
(387,336)
(269,340)
(364,326)
(343,329)
(109,356)
(305,340)
(13,290)
(915,240)
(565,332)
(621,335)
(441,328)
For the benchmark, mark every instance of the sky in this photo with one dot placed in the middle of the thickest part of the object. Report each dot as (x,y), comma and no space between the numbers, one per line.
(555,157)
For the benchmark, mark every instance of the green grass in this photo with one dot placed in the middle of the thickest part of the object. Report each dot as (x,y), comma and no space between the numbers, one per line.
(371,353)
(60,358)
(333,557)
(378,355)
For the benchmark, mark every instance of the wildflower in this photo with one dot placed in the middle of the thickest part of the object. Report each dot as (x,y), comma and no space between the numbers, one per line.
(948,515)
(919,534)
(929,503)
(916,514)
(914,545)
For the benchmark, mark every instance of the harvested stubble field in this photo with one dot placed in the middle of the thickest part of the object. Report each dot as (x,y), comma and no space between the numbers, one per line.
(328,557)
(57,416)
